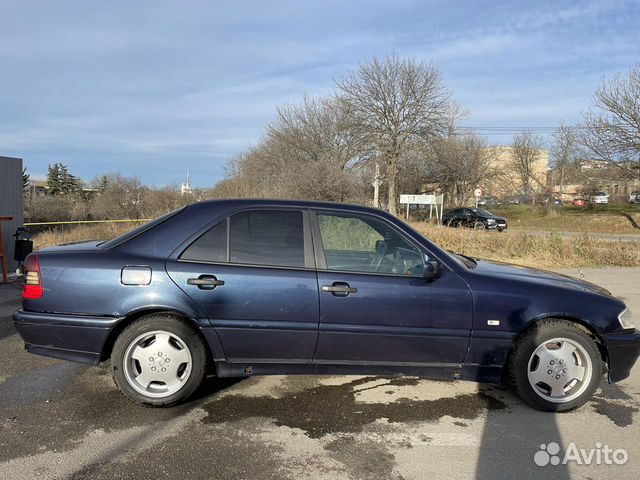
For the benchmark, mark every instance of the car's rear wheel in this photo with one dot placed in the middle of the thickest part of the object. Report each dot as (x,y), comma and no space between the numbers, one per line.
(555,366)
(159,360)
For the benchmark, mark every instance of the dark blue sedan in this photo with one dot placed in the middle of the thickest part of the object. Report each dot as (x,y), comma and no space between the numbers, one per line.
(252,287)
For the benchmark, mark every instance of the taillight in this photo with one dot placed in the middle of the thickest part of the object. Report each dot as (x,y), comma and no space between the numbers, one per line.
(32,287)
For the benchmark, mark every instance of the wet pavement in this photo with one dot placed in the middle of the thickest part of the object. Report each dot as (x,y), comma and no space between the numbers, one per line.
(64,420)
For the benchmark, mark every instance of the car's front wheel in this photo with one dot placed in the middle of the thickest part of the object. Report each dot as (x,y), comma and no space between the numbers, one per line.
(555,366)
(159,360)
(479,225)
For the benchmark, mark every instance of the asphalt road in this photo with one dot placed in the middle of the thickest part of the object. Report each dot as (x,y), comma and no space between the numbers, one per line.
(62,420)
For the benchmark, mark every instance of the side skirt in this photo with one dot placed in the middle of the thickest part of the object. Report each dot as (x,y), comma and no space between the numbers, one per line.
(247,368)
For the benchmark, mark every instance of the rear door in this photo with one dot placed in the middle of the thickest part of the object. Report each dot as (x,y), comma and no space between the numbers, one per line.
(253,276)
(375,305)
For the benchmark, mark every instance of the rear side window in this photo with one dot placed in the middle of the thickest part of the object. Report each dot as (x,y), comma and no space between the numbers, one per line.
(267,237)
(210,247)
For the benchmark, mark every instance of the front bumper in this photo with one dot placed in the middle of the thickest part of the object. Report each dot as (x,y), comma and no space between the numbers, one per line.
(623,350)
(497,226)
(68,337)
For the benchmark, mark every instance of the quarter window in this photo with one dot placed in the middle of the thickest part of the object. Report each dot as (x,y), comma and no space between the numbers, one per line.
(267,237)
(210,247)
(364,244)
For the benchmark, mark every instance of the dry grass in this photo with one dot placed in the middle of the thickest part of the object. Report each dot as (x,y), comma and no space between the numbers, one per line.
(547,251)
(80,233)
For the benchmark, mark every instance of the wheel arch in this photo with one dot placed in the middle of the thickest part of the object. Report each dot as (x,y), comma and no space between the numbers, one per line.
(583,324)
(137,314)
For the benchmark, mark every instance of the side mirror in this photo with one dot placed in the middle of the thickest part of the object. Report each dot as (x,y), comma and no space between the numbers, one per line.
(432,270)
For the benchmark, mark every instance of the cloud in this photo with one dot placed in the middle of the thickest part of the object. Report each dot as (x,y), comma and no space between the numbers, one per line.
(154,88)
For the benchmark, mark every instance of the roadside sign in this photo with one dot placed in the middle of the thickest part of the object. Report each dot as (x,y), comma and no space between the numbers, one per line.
(477,192)
(419,199)
(431,200)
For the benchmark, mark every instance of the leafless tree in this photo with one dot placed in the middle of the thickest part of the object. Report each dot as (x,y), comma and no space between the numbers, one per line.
(565,153)
(526,151)
(320,145)
(391,102)
(459,164)
(308,151)
(611,129)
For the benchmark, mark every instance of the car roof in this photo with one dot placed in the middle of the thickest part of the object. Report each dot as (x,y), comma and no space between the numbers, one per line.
(235,203)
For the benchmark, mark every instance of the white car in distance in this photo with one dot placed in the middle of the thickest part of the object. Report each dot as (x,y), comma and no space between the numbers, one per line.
(600,198)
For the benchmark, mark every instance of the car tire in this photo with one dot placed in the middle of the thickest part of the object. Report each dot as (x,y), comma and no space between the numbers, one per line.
(500,229)
(525,370)
(159,360)
(479,226)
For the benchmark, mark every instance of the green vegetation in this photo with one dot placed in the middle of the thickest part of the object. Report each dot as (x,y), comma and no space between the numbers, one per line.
(613,218)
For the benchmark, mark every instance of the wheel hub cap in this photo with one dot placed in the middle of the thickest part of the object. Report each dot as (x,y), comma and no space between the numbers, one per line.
(560,370)
(157,364)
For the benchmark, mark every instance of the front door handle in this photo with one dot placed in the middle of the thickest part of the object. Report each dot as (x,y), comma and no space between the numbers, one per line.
(339,289)
(205,282)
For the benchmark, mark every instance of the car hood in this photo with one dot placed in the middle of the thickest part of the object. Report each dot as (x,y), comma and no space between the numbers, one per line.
(535,275)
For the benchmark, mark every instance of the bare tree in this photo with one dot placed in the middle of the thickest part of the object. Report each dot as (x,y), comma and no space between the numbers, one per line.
(392,102)
(459,164)
(526,151)
(565,154)
(611,129)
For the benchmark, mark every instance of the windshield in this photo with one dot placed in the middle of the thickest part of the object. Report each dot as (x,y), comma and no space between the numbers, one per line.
(137,231)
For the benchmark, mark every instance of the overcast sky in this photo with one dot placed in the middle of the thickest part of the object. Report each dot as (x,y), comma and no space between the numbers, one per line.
(151,88)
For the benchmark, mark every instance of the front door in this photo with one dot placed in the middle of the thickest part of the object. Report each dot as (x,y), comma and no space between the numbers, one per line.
(376,308)
(253,276)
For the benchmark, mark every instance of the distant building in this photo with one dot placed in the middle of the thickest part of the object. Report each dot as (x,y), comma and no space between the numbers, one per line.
(596,175)
(185,188)
(505,182)
(40,188)
(11,204)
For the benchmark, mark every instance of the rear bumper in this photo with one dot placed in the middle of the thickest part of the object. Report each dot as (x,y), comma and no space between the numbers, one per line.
(623,351)
(69,337)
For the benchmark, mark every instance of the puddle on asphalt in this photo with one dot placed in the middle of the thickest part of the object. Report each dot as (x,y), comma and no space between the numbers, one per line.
(326,409)
(614,403)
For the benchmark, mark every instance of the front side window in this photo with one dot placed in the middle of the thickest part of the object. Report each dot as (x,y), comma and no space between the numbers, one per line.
(364,244)
(267,237)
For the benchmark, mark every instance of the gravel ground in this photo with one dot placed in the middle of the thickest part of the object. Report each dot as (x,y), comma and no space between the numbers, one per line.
(63,420)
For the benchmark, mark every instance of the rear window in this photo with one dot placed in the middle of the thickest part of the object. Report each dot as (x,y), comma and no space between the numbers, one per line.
(137,231)
(267,237)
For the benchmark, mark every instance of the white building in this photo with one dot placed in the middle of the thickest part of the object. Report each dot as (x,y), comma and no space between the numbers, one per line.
(185,188)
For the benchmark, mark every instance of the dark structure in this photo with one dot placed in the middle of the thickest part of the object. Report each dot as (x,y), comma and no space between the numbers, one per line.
(11,203)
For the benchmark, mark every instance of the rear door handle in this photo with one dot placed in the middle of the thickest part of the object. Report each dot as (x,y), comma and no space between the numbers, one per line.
(339,289)
(205,282)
